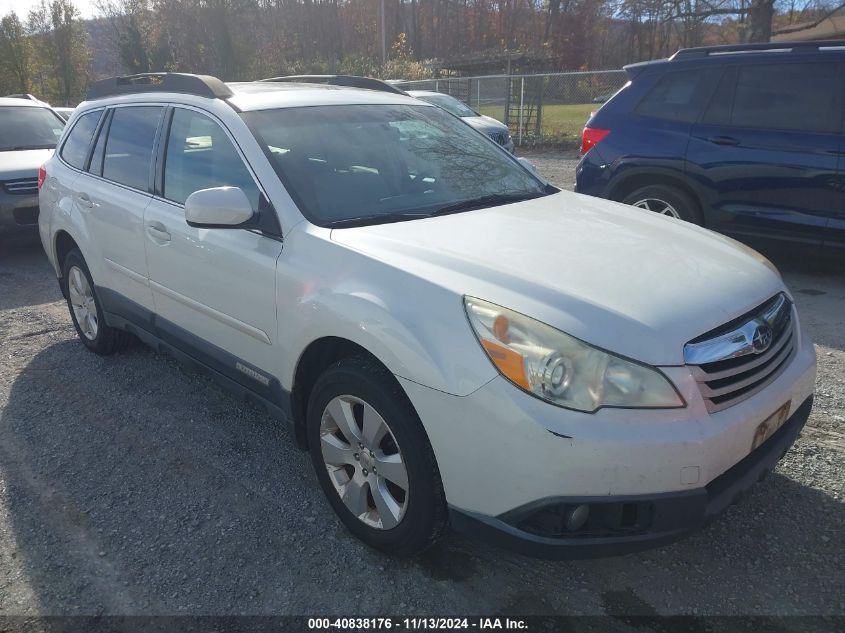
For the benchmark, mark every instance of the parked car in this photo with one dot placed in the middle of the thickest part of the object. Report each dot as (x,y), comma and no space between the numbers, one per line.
(451,339)
(603,98)
(64,112)
(496,130)
(29,130)
(745,140)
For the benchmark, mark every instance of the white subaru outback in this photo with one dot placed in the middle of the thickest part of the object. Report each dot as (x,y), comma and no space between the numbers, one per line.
(452,339)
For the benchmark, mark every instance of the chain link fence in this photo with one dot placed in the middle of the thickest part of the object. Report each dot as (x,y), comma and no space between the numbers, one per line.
(539,109)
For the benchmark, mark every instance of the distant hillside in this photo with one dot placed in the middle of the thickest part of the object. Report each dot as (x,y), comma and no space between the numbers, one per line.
(105,59)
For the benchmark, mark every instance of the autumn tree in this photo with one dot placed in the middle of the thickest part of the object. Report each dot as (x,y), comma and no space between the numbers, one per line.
(61,43)
(15,55)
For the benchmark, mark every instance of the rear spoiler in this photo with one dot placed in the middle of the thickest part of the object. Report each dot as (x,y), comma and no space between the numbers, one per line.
(635,69)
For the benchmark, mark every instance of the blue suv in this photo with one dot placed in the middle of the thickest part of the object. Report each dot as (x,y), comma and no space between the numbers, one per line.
(745,140)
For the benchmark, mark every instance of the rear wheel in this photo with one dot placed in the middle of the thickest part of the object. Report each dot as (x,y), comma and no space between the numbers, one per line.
(665,200)
(373,458)
(86,310)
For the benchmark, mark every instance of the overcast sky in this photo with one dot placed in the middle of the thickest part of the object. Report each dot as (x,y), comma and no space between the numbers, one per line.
(22,7)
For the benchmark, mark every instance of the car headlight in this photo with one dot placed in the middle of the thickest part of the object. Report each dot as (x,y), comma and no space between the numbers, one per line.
(562,369)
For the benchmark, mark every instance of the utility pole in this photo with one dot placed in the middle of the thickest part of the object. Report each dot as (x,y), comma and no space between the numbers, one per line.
(383,42)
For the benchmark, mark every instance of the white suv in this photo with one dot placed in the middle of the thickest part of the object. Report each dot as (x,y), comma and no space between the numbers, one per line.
(453,340)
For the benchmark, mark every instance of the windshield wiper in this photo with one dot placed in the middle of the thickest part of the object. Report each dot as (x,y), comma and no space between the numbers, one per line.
(375,218)
(491,200)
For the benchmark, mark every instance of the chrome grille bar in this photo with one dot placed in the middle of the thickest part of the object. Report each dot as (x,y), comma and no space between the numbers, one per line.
(741,358)
(708,391)
(22,186)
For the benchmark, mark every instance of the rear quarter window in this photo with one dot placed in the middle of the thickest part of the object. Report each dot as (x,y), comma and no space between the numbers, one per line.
(678,96)
(75,149)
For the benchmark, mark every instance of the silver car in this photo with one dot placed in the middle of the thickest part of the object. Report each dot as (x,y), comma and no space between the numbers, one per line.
(496,130)
(29,130)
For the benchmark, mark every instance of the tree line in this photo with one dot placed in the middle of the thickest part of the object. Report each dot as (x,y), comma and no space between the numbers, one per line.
(51,52)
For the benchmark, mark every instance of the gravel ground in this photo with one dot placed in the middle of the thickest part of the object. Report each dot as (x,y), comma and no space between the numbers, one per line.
(129,485)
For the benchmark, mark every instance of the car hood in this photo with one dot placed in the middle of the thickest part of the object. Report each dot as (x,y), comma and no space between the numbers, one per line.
(485,124)
(22,164)
(623,279)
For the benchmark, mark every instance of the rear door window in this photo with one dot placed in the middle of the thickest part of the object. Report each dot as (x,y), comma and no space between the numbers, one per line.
(129,147)
(679,96)
(75,150)
(795,97)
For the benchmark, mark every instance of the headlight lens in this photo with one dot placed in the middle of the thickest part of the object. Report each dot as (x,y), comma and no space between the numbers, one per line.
(562,369)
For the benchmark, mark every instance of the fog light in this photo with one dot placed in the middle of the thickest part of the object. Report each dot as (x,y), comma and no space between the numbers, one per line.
(577,517)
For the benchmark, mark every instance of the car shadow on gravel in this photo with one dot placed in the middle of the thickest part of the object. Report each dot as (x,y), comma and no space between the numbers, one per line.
(25,275)
(134,486)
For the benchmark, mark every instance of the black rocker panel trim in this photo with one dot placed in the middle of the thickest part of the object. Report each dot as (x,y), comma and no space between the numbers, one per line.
(234,373)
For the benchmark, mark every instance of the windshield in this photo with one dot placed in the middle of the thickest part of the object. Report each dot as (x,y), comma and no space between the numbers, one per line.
(28,128)
(382,163)
(450,104)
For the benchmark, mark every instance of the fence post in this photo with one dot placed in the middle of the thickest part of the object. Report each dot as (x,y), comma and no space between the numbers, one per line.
(521,104)
(436,85)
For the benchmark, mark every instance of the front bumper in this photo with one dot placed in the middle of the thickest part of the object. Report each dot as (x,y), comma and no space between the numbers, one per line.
(18,213)
(501,451)
(669,516)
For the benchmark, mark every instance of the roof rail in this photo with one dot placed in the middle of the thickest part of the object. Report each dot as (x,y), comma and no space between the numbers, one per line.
(199,85)
(760,47)
(350,81)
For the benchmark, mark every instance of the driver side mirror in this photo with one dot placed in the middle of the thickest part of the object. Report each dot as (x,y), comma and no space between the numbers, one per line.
(218,207)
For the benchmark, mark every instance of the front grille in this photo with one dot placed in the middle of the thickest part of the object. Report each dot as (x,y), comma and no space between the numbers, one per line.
(740,358)
(500,137)
(21,186)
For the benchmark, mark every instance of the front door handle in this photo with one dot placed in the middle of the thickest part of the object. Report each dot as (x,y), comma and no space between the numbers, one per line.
(84,200)
(723,140)
(158,232)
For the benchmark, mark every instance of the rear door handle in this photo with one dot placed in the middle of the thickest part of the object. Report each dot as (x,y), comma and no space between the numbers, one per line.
(84,200)
(723,140)
(158,232)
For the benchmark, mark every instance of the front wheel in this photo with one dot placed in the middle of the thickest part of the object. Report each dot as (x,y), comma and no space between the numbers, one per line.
(665,200)
(373,458)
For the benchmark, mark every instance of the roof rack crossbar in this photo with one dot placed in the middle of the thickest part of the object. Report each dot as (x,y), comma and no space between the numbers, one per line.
(183,83)
(350,81)
(21,95)
(795,47)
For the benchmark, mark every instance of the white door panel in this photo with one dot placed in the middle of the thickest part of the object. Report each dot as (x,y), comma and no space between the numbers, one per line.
(217,284)
(115,218)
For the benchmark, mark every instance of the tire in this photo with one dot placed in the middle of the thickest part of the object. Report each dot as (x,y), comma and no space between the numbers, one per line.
(406,521)
(652,197)
(79,289)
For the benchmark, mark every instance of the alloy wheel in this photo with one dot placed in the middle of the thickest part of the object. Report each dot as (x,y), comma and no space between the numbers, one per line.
(82,302)
(657,206)
(364,462)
